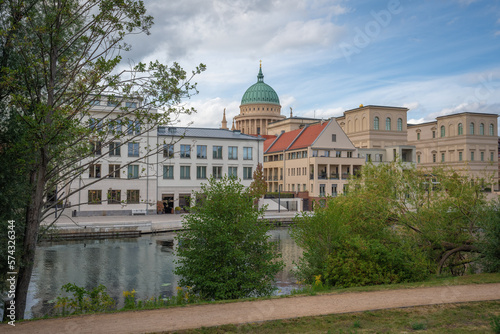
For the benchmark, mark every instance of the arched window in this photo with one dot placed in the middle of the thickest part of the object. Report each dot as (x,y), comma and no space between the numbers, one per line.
(460,129)
(443,131)
(481,129)
(471,130)
(400,124)
(375,123)
(388,123)
(492,130)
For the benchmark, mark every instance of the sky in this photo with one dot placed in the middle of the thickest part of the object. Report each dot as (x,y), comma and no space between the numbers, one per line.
(323,57)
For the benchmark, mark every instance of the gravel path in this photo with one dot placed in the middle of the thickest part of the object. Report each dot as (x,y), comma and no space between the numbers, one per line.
(254,311)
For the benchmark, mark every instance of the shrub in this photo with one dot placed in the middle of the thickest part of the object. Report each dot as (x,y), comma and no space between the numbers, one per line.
(84,301)
(225,252)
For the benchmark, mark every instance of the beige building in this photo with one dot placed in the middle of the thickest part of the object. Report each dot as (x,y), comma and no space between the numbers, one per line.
(379,133)
(466,142)
(318,158)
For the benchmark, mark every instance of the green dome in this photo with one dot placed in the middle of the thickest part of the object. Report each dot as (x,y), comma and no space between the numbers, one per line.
(260,92)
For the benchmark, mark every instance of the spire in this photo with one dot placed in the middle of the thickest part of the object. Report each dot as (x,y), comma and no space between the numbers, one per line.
(291,114)
(260,76)
(224,122)
(233,128)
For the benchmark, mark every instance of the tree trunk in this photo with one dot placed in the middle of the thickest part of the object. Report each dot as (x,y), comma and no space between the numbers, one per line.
(31,229)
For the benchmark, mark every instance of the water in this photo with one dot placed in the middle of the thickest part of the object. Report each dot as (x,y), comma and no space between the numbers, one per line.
(121,265)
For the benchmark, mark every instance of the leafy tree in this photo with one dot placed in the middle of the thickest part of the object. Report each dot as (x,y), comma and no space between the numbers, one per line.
(224,251)
(258,187)
(490,243)
(57,58)
(392,212)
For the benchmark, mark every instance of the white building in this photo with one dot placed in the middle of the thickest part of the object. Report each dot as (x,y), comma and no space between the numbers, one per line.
(139,168)
(192,155)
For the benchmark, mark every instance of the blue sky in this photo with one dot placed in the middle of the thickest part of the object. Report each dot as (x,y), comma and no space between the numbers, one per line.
(324,57)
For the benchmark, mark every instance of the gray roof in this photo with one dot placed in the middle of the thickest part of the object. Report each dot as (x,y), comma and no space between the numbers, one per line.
(204,133)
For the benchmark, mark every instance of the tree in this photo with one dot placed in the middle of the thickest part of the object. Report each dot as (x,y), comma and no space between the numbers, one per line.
(258,187)
(392,212)
(58,57)
(224,251)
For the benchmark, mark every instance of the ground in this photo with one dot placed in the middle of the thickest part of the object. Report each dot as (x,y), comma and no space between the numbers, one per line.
(254,311)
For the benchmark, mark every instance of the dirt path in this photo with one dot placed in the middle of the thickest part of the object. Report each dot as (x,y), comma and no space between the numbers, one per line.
(254,311)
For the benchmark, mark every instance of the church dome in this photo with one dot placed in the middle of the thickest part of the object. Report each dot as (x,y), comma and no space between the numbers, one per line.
(260,92)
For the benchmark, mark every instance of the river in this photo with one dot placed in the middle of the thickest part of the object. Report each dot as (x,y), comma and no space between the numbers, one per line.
(121,265)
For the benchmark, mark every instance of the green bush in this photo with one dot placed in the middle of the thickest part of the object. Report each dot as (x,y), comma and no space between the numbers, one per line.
(83,301)
(360,262)
(224,250)
(490,240)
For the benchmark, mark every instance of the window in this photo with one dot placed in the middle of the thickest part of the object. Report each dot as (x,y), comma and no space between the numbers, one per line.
(201,151)
(460,156)
(471,156)
(232,172)
(482,156)
(115,127)
(322,190)
(114,196)
(95,171)
(492,130)
(185,172)
(434,157)
(481,129)
(114,149)
(232,153)
(133,196)
(471,128)
(112,103)
(95,196)
(201,172)
(133,128)
(247,153)
(168,172)
(293,187)
(388,123)
(442,157)
(168,150)
(338,154)
(298,187)
(131,104)
(304,154)
(114,171)
(400,124)
(217,172)
(133,172)
(375,123)
(491,156)
(349,154)
(217,152)
(133,149)
(334,138)
(418,135)
(96,147)
(460,129)
(443,131)
(418,158)
(433,134)
(186,151)
(247,173)
(95,102)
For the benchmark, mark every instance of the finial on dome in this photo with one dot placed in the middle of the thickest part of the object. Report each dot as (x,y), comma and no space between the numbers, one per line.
(361,105)
(291,114)
(260,76)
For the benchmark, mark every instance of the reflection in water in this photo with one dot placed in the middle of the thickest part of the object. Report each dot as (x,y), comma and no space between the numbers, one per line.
(121,265)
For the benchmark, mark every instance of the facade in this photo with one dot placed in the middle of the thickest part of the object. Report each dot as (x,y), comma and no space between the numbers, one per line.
(318,158)
(126,178)
(379,132)
(192,155)
(466,142)
(260,105)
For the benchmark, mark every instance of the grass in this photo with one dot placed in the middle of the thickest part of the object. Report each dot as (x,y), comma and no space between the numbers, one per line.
(447,318)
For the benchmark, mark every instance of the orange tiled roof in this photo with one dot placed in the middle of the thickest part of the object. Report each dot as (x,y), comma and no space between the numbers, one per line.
(268,142)
(308,136)
(284,141)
